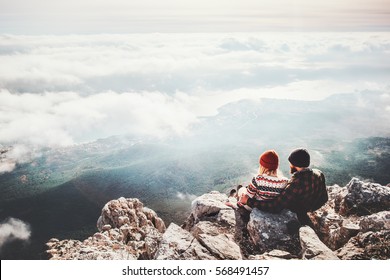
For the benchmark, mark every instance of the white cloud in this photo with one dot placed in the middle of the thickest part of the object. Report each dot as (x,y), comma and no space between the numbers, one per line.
(173,62)
(7,166)
(58,119)
(58,91)
(185,196)
(13,229)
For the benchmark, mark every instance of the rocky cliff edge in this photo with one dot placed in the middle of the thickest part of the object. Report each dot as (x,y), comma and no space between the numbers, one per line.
(353,224)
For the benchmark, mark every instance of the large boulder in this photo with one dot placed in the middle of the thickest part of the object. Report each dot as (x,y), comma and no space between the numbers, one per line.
(274,231)
(213,224)
(129,211)
(312,247)
(334,229)
(375,222)
(365,198)
(179,244)
(127,230)
(208,205)
(217,239)
(366,246)
(348,212)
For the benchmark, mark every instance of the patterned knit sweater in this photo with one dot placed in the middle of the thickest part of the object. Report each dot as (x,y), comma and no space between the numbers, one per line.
(264,187)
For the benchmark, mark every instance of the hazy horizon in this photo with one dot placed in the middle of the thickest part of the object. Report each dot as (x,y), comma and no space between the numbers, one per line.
(122,16)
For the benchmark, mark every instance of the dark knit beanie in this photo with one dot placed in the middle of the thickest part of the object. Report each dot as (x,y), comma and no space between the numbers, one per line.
(299,158)
(269,160)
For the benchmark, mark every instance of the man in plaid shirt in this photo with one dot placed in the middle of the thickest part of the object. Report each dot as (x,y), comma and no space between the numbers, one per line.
(305,191)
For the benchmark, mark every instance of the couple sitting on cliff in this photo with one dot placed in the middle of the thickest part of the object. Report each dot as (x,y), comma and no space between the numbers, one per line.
(304,192)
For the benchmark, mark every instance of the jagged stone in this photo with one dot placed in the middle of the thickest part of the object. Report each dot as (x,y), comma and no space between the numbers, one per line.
(325,220)
(341,235)
(208,205)
(337,221)
(214,225)
(336,195)
(227,217)
(127,230)
(365,198)
(159,224)
(274,231)
(142,219)
(312,247)
(179,244)
(152,240)
(76,250)
(106,227)
(366,246)
(333,229)
(273,255)
(376,222)
(217,240)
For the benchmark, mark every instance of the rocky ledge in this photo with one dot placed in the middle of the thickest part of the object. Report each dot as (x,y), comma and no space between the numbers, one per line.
(353,224)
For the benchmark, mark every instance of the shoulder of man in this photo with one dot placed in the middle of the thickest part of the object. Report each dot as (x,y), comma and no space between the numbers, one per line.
(301,177)
(322,193)
(295,181)
(297,176)
(317,173)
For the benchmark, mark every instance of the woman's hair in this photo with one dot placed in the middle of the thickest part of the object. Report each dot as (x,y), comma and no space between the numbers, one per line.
(269,172)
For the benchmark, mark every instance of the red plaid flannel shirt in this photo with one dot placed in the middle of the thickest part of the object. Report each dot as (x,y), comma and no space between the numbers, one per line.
(305,192)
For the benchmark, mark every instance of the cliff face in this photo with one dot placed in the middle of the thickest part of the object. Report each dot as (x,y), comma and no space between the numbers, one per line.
(353,224)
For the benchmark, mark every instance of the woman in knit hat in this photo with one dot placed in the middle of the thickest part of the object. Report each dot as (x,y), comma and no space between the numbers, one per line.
(267,184)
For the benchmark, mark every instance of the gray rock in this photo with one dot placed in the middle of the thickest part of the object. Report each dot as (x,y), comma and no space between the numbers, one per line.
(341,235)
(376,222)
(336,222)
(90,249)
(218,241)
(273,255)
(336,196)
(312,247)
(227,217)
(365,198)
(333,229)
(152,240)
(208,205)
(366,246)
(272,231)
(213,224)
(127,230)
(179,244)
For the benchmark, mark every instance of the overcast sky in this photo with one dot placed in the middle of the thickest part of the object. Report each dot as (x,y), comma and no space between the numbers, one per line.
(127,16)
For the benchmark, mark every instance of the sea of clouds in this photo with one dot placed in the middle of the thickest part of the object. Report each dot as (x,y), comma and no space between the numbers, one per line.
(57,91)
